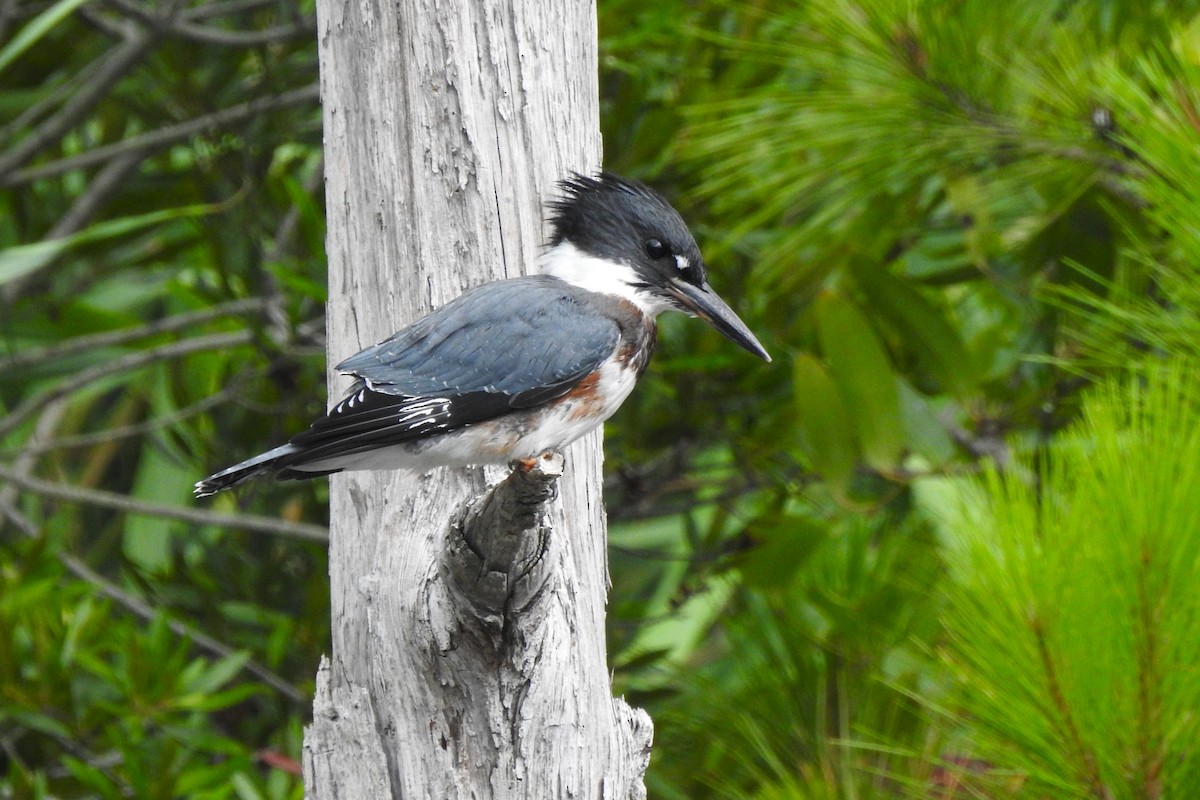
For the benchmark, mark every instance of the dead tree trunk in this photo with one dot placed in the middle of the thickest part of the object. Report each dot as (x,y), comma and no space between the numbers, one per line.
(468,627)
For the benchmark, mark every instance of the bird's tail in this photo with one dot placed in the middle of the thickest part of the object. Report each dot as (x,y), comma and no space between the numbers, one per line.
(250,468)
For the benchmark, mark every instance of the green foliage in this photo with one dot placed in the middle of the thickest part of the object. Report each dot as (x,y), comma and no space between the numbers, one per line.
(946,216)
(941,171)
(118,708)
(1072,612)
(860,370)
(809,669)
(147,223)
(1153,303)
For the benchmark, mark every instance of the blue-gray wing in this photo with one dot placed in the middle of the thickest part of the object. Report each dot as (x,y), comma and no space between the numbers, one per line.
(502,346)
(520,338)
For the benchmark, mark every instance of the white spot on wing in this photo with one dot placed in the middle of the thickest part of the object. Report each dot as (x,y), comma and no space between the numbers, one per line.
(351,401)
(410,416)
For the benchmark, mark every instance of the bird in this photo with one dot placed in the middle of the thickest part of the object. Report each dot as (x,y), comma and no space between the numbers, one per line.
(519,367)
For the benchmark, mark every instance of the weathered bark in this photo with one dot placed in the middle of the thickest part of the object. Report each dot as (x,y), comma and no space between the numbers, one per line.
(468,631)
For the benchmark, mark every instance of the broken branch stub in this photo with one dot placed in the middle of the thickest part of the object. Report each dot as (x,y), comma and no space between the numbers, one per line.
(494,563)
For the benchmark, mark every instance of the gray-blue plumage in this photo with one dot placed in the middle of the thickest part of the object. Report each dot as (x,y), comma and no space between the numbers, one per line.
(534,334)
(499,347)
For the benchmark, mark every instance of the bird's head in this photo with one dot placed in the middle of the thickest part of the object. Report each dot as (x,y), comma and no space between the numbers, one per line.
(617,236)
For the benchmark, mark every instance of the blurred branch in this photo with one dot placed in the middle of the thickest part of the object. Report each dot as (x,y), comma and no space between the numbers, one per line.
(112,66)
(281,245)
(209,35)
(25,461)
(141,608)
(304,26)
(125,431)
(132,361)
(93,341)
(124,503)
(8,13)
(225,9)
(148,142)
(116,28)
(35,110)
(100,188)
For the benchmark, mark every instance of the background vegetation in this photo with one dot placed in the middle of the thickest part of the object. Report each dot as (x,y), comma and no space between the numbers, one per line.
(943,547)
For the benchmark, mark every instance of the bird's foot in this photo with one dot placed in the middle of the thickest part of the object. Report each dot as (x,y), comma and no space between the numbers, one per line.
(549,463)
(523,464)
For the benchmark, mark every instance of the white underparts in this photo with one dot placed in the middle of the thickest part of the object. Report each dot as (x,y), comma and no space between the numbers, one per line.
(567,262)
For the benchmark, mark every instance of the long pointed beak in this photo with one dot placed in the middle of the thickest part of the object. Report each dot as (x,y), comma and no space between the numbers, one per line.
(708,306)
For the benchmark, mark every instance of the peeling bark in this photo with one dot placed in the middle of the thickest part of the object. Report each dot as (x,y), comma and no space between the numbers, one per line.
(468,625)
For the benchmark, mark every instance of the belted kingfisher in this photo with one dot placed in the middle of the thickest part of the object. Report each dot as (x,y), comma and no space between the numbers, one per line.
(518,367)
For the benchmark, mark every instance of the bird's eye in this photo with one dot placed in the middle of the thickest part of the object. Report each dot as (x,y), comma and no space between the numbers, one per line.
(656,249)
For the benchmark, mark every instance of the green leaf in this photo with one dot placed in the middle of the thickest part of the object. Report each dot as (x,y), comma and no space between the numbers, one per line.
(147,540)
(36,29)
(222,699)
(925,433)
(682,631)
(217,674)
(783,543)
(936,344)
(824,422)
(21,260)
(90,777)
(17,262)
(35,721)
(860,368)
(160,478)
(294,280)
(245,788)
(968,197)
